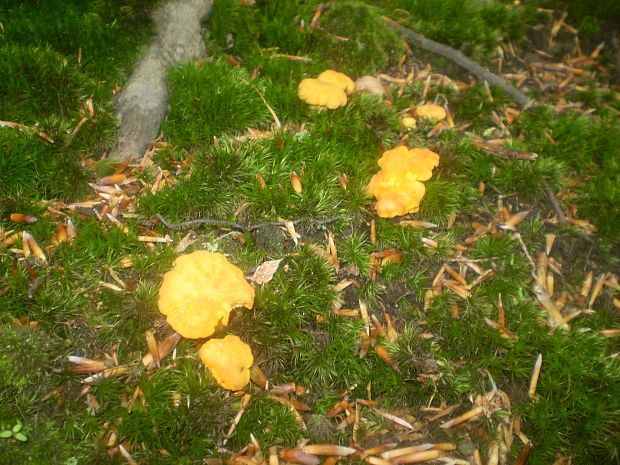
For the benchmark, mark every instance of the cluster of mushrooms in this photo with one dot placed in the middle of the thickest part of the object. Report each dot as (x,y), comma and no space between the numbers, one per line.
(197,296)
(398,186)
(202,288)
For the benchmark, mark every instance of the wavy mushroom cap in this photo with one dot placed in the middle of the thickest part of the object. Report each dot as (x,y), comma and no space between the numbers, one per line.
(395,196)
(200,291)
(325,94)
(341,80)
(397,185)
(415,164)
(408,122)
(229,360)
(431,111)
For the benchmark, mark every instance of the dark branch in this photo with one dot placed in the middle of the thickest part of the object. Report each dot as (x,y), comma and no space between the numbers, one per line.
(457,57)
(555,202)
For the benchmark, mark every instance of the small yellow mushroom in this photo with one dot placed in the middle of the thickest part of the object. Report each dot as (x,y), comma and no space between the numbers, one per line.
(397,186)
(321,93)
(431,111)
(200,291)
(341,80)
(408,122)
(229,360)
(395,197)
(414,164)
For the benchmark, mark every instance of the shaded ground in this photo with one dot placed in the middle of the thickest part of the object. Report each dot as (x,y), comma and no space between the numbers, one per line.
(394,330)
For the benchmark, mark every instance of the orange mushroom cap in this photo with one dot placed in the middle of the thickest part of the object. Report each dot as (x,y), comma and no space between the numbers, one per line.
(322,93)
(341,80)
(408,122)
(200,291)
(397,185)
(229,360)
(395,197)
(414,164)
(431,111)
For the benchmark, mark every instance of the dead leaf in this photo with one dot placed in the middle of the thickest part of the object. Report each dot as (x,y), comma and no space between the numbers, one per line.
(265,271)
(417,224)
(290,228)
(112,179)
(471,414)
(535,375)
(164,348)
(296,182)
(514,220)
(23,218)
(386,357)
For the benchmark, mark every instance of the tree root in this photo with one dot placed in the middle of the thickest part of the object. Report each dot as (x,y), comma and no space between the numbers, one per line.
(415,39)
(143,103)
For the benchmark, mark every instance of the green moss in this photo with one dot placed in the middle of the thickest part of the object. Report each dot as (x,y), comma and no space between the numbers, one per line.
(22,391)
(444,199)
(210,100)
(473,26)
(593,144)
(271,422)
(368,44)
(34,168)
(106,31)
(43,78)
(578,405)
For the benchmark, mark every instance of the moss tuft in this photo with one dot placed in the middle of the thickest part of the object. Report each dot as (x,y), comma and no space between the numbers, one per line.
(370,44)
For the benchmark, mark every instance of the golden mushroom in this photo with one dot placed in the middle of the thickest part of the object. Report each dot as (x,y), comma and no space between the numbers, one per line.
(414,164)
(341,80)
(321,93)
(229,360)
(395,196)
(200,291)
(431,111)
(397,186)
(408,122)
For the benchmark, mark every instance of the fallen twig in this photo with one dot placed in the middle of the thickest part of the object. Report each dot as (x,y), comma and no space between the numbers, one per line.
(555,202)
(242,227)
(501,151)
(457,57)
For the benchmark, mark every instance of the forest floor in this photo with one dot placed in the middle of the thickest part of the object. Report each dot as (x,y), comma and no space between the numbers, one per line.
(485,328)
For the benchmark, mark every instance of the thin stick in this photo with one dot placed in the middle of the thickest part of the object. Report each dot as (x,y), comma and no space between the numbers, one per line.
(524,248)
(501,151)
(558,209)
(242,227)
(200,221)
(273,113)
(555,202)
(457,57)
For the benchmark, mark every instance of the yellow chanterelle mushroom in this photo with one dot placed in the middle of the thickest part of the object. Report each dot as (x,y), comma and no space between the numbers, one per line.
(341,80)
(321,93)
(398,186)
(200,291)
(229,361)
(431,111)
